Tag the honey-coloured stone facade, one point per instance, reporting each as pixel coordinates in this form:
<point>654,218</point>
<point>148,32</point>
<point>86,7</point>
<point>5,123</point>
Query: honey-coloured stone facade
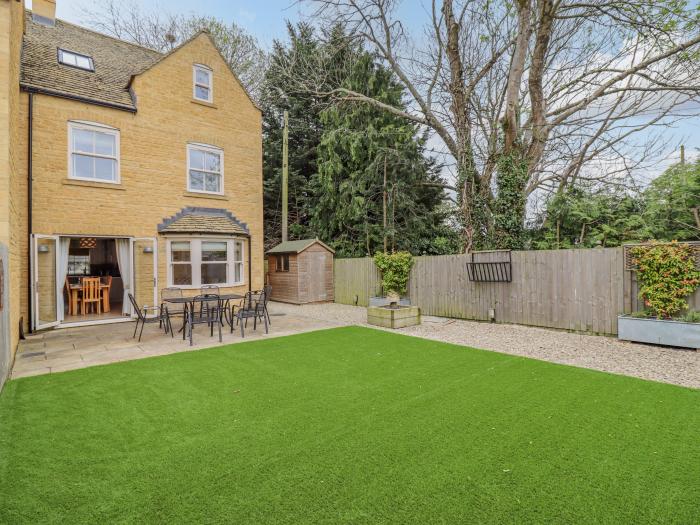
<point>152,168</point>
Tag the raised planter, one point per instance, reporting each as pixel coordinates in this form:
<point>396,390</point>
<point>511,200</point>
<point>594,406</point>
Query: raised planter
<point>393,316</point>
<point>385,301</point>
<point>658,331</point>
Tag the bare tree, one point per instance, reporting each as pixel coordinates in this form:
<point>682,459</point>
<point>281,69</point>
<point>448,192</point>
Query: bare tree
<point>163,31</point>
<point>530,95</point>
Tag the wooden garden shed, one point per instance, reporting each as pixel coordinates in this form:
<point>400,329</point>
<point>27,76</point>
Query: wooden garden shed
<point>301,272</point>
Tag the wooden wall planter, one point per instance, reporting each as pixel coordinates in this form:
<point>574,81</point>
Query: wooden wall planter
<point>659,331</point>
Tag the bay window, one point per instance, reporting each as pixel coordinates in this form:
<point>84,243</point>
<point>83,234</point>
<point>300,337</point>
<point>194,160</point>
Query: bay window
<point>196,262</point>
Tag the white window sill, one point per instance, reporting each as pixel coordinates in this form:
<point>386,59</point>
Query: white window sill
<point>203,195</point>
<point>204,103</point>
<point>197,287</point>
<point>93,184</point>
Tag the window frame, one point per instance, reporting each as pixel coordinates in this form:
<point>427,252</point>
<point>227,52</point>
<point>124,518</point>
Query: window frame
<point>59,56</point>
<point>196,261</point>
<point>98,128</point>
<point>282,257</point>
<point>172,263</point>
<point>195,84</point>
<point>207,148</point>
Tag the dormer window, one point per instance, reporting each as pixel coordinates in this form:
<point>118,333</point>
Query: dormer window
<point>203,88</point>
<point>69,58</point>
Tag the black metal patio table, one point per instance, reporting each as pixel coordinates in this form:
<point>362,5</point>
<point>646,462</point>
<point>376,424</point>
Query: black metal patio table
<point>189,302</point>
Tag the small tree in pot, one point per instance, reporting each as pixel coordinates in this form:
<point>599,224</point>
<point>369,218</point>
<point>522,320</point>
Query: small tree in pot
<point>395,268</point>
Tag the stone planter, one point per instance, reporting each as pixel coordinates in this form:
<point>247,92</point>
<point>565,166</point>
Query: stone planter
<point>658,331</point>
<point>393,317</point>
<point>385,301</point>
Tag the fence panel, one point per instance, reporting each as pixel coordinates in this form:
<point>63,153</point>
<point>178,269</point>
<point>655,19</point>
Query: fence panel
<point>577,289</point>
<point>355,280</point>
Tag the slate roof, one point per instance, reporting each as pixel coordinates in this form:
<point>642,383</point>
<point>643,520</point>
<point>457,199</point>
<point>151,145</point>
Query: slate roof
<point>297,246</point>
<point>203,220</point>
<point>115,62</point>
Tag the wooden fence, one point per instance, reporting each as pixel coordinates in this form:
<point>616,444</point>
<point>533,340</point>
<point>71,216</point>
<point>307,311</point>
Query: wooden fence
<point>574,289</point>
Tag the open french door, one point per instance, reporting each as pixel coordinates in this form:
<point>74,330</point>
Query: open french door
<point>144,271</point>
<point>45,285</point>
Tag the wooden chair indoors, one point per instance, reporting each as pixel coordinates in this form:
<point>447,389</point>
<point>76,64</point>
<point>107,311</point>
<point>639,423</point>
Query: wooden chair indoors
<point>69,300</point>
<point>91,296</point>
<point>105,293</point>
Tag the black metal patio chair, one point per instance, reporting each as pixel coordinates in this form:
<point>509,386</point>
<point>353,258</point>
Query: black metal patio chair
<point>209,289</point>
<point>174,309</point>
<point>253,307</point>
<point>160,317</point>
<point>268,294</point>
<point>210,313</point>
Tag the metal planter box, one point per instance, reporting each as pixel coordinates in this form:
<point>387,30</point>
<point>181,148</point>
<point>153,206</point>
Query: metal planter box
<point>659,331</point>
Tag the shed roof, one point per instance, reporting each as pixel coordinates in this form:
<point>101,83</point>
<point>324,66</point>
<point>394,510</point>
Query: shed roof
<point>203,220</point>
<point>297,246</point>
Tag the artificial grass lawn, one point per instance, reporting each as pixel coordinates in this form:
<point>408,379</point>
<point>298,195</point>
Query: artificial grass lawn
<point>349,425</point>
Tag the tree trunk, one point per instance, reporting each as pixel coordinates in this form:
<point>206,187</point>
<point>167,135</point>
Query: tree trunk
<point>470,198</point>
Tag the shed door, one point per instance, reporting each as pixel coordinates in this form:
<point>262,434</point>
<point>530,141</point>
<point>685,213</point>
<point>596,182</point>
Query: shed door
<point>316,275</point>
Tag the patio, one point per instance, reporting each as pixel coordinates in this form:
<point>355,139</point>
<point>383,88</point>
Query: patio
<point>72,348</point>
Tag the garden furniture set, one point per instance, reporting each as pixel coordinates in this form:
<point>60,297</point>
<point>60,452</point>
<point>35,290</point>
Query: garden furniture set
<point>210,307</point>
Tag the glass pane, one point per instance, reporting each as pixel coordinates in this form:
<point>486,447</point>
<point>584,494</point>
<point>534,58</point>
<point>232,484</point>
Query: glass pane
<point>196,180</point>
<point>238,251</point>
<point>214,251</point>
<point>213,162</point>
<point>213,273</point>
<point>46,281</point>
<point>83,166</point>
<point>180,251</point>
<point>182,274</point>
<point>83,141</point>
<point>201,92</point>
<point>212,182</point>
<point>196,159</point>
<point>105,144</point>
<point>68,58</point>
<point>238,271</point>
<point>105,169</point>
<point>202,76</point>
<point>83,62</point>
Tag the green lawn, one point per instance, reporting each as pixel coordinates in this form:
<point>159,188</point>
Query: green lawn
<point>349,425</point>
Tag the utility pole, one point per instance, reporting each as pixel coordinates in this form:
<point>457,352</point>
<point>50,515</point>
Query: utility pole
<point>285,175</point>
<point>682,154</point>
<point>384,203</point>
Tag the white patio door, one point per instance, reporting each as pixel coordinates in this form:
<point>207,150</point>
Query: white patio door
<point>45,285</point>
<point>144,271</point>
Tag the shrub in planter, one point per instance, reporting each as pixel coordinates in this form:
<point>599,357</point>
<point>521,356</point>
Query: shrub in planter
<point>395,268</point>
<point>667,275</point>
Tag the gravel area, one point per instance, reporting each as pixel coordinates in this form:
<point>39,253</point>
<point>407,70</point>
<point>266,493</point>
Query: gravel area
<point>656,363</point>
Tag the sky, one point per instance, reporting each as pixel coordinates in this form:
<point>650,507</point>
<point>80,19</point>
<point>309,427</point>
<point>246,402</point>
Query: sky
<point>266,20</point>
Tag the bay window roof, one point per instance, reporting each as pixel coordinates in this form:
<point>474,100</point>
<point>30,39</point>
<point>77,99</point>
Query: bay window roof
<point>203,221</point>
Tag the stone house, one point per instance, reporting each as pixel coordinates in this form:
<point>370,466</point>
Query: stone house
<point>116,161</point>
